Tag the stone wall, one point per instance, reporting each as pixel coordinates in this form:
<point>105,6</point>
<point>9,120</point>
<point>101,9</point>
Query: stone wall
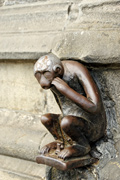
<point>20,90</point>
<point>86,31</point>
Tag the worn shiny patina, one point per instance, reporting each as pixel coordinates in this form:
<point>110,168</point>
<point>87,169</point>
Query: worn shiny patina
<point>83,119</point>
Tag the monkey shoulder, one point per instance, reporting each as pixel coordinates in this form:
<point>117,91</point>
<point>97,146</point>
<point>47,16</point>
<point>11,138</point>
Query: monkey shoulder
<point>74,67</point>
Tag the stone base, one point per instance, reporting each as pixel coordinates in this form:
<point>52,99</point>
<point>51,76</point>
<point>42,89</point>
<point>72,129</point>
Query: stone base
<point>54,161</point>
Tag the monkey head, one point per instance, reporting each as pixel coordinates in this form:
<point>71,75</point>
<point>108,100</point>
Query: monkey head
<point>46,69</point>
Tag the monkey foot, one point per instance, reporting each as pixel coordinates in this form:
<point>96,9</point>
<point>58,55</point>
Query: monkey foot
<point>52,145</point>
<point>73,151</point>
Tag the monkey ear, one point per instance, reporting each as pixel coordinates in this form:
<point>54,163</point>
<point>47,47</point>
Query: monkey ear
<point>57,68</point>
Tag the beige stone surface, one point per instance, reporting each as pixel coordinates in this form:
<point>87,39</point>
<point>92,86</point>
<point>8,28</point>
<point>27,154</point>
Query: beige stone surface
<point>17,169</point>
<point>12,2</point>
<point>111,171</point>
<point>87,30</point>
<point>21,134</point>
<point>20,143</point>
<point>6,175</point>
<point>21,91</point>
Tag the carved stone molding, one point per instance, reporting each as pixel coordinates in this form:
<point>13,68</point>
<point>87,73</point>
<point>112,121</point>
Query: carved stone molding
<point>83,30</point>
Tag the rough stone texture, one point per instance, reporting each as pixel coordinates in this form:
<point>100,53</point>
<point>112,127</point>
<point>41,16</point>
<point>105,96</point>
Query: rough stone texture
<point>92,27</point>
<point>21,134</point>
<point>20,90</point>
<point>78,173</point>
<point>88,31</point>
<point>12,2</point>
<point>18,169</point>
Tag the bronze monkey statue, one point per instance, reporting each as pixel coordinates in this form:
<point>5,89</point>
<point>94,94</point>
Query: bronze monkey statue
<point>83,119</point>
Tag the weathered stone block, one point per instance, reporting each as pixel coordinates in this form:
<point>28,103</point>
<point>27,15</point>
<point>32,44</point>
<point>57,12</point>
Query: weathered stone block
<point>79,30</point>
<point>20,90</point>
<point>18,169</point>
<point>22,134</point>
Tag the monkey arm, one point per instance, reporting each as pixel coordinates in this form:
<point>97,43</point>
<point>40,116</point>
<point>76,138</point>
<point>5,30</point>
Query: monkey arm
<point>80,100</point>
<point>92,102</point>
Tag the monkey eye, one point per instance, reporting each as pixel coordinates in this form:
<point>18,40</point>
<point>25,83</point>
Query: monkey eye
<point>47,75</point>
<point>38,75</point>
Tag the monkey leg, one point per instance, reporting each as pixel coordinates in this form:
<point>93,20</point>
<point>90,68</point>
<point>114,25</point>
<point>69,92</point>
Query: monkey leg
<point>75,127</point>
<point>52,123</point>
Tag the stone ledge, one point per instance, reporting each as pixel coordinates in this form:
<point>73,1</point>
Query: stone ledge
<point>21,120</point>
<point>18,169</point>
<point>20,143</point>
<point>80,30</point>
<point>8,175</point>
<point>22,134</point>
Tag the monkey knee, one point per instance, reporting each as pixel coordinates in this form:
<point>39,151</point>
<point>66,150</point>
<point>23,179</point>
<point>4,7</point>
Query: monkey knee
<point>66,123</point>
<point>46,119</point>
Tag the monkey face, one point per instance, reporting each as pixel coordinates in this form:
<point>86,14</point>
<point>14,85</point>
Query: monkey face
<point>45,78</point>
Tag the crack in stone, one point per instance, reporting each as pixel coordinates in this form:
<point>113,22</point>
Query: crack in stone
<point>41,141</point>
<point>69,8</point>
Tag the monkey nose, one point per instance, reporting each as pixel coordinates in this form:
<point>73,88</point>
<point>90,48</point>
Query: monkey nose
<point>45,86</point>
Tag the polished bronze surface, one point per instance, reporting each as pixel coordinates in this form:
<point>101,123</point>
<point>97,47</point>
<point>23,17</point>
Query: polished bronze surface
<point>83,119</point>
<point>52,160</point>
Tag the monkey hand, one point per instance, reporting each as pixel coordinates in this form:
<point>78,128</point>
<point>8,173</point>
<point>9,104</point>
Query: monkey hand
<point>60,85</point>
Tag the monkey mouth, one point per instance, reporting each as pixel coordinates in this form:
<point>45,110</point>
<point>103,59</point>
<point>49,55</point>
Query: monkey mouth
<point>46,88</point>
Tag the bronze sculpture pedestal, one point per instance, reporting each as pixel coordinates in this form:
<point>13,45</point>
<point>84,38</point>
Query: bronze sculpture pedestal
<point>51,159</point>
